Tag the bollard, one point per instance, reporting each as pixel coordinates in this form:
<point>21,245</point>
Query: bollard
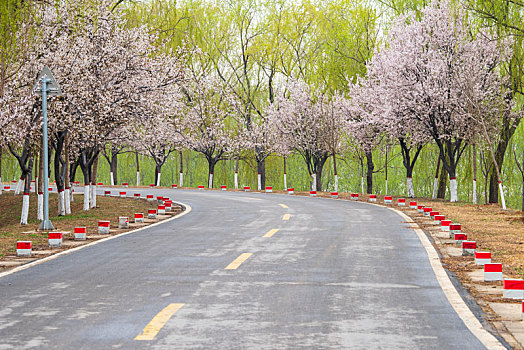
<point>413,205</point>
<point>100,184</point>
<point>444,225</point>
<point>175,186</point>
<point>23,248</point>
<point>493,272</point>
<point>103,227</point>
<point>433,213</point>
<point>136,195</point>
<point>151,213</point>
<point>107,193</point>
<point>150,198</point>
<point>290,191</point>
<point>125,184</point>
<point>80,233</point>
<point>426,211</point>
<point>420,208</point>
<point>372,197</point>
<point>160,199</point>
<point>482,258</point>
<point>312,193</point>
<point>139,217</point>
<point>269,189</point>
<point>460,237</point>
<point>55,239</point>
<point>354,196</point>
<point>247,188</point>
<point>151,185</point>
<point>513,288</point>
<point>161,210</point>
<point>468,248</point>
<point>123,194</point>
<point>169,205</point>
<point>401,202</point>
<point>200,187</point>
<point>223,188</point>
<point>438,219</point>
<point>334,194</point>
<point>388,199</point>
<point>123,222</point>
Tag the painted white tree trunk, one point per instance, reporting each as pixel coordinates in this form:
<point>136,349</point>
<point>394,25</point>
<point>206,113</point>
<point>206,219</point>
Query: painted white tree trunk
<point>138,178</point>
<point>72,195</point>
<point>474,191</point>
<point>386,188</point>
<point>112,179</point>
<point>40,208</point>
<point>158,179</point>
<point>411,190</point>
<point>93,196</point>
<point>25,209</point>
<point>453,190</point>
<point>259,178</point>
<point>314,186</point>
<point>87,194</point>
<point>236,180</point>
<point>502,199</point>
<point>435,188</point>
<point>67,195</point>
<point>362,184</point>
<point>336,183</point>
<point>210,183</point>
<point>181,182</point>
<point>61,203</point>
<point>285,181</point>
<point>19,186</point>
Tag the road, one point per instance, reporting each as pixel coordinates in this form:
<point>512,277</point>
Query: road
<point>240,271</point>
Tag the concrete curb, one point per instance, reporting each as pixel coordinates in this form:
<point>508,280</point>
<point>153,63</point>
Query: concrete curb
<point>69,251</point>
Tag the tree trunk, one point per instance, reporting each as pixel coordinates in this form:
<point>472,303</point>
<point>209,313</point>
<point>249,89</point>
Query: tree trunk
<point>93,182</point>
<point>335,171</point>
<point>386,171</point>
<point>181,184</point>
<point>114,166</point>
<point>67,183</point>
<point>137,169</point>
<point>27,186</point>
<point>474,174</point>
<point>285,175</point>
<point>261,169</point>
<point>442,183</point>
<point>369,175</point>
<point>236,172</point>
<point>211,170</point>
<point>158,172</point>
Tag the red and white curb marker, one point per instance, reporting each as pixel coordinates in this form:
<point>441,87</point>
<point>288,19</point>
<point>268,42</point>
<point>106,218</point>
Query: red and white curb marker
<point>123,194</point>
<point>103,227</point>
<point>151,213</point>
<point>223,188</point>
<point>123,222</point>
<point>455,228</point>
<point>493,272</point>
<point>401,202</point>
<point>420,208</point>
<point>139,217</point>
<point>77,183</point>
<point>433,213</point>
<point>388,199</point>
<point>125,184</point>
<point>460,237</point>
<point>169,205</point>
<point>247,189</point>
<point>23,248</point>
<point>269,189</point>
<point>513,288</point>
<point>80,233</point>
<point>413,205</point>
<point>161,210</point>
<point>426,211</point>
<point>334,194</point>
<point>469,248</point>
<point>107,193</point>
<point>482,258</point>
<point>200,187</point>
<point>290,191</point>
<point>160,199</point>
<point>312,193</point>
<point>354,196</point>
<point>100,184</point>
<point>372,197</point>
<point>150,198</point>
<point>444,225</point>
<point>55,239</point>
<point>136,195</point>
<point>7,188</point>
<point>439,218</point>
<point>151,185</point>
<point>174,186</point>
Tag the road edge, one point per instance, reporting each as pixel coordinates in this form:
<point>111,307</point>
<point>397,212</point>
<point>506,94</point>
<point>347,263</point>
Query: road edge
<point>72,250</point>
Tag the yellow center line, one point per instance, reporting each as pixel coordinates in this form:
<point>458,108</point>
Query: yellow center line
<point>286,217</point>
<point>238,261</point>
<point>271,233</point>
<point>151,330</point>
<point>255,199</point>
<point>284,206</point>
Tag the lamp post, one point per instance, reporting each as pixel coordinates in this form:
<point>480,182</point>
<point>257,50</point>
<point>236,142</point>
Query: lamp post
<point>46,85</point>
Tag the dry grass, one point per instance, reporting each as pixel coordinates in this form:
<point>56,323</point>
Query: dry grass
<point>109,208</point>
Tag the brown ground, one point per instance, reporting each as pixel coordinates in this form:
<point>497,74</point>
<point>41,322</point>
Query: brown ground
<point>108,208</point>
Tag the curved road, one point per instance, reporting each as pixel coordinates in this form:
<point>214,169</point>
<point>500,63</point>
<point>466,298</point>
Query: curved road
<point>336,275</point>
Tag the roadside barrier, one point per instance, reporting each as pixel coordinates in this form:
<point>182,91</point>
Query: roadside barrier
<point>55,239</point>
<point>103,227</point>
<point>334,194</point>
<point>269,189</point>
<point>80,233</point>
<point>223,188</point>
<point>444,225</point>
<point>151,213</point>
<point>247,189</point>
<point>161,210</point>
<point>312,193</point>
<point>123,222</point>
<point>125,184</point>
<point>438,219</point>
<point>23,248</point>
<point>372,197</point>
<point>290,191</point>
<point>469,248</point>
<point>388,199</point>
<point>175,186</point>
<point>513,288</point>
<point>123,194</point>
<point>433,213</point>
<point>493,272</point>
<point>107,193</point>
<point>354,196</point>
<point>482,258</point>
<point>460,237</point>
<point>200,187</point>
<point>139,217</point>
<point>401,202</point>
<point>137,195</point>
<point>150,198</point>
<point>426,211</point>
<point>413,205</point>
<point>420,208</point>
<point>169,205</point>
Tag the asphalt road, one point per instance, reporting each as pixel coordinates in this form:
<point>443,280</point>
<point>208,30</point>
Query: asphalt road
<point>336,275</point>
